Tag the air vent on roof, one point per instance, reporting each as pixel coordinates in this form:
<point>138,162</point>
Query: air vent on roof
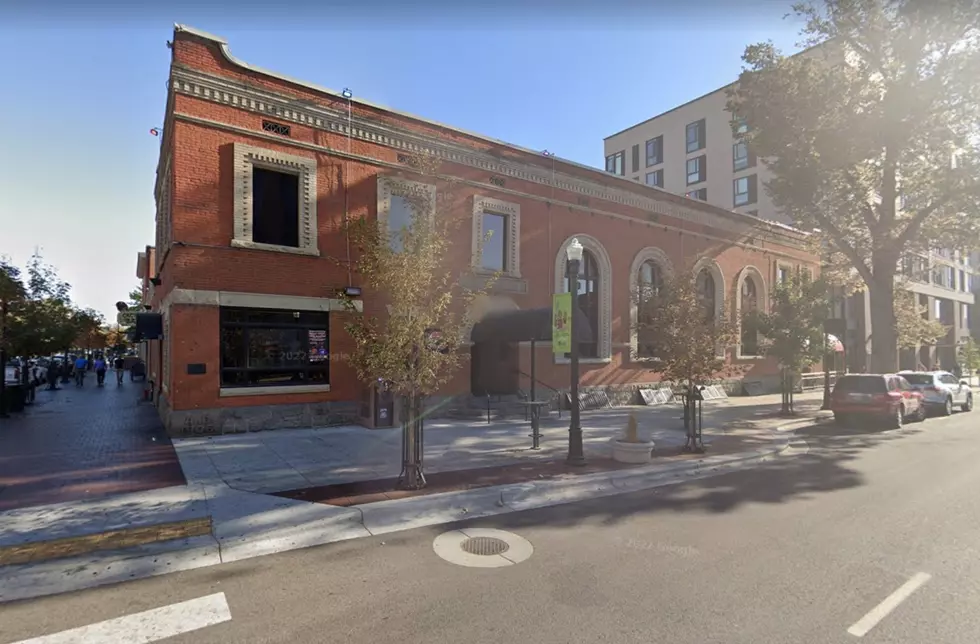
<point>275,128</point>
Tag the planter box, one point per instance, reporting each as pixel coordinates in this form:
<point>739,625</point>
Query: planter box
<point>623,452</point>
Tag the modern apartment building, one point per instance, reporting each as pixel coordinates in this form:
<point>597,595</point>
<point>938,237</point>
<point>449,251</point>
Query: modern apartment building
<point>691,150</point>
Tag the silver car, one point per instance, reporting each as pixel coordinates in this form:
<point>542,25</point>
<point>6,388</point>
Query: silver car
<point>941,390</point>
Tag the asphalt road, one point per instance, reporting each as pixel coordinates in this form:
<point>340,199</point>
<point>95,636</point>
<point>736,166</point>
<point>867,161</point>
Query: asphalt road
<point>800,550</point>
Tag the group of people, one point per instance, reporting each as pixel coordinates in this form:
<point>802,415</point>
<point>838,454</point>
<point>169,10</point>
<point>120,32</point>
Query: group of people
<point>100,366</point>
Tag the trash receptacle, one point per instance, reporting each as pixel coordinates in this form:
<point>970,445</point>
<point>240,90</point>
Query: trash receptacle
<point>384,407</point>
<point>14,398</point>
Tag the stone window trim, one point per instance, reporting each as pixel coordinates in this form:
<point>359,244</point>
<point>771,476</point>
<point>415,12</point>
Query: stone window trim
<point>706,263</point>
<point>513,213</point>
<point>391,186</point>
<point>780,265</point>
<point>247,157</point>
<point>659,257</point>
<point>762,291</point>
<point>604,264</point>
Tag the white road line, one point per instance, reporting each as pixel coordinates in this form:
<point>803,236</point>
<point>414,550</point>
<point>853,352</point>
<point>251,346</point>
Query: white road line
<point>148,626</point>
<point>879,612</point>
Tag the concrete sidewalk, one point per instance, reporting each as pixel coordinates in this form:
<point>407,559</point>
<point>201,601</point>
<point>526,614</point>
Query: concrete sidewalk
<point>267,462</point>
<point>227,475</point>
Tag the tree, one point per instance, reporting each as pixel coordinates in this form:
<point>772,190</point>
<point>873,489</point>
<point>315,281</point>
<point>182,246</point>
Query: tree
<point>912,324</point>
<point>115,337</point>
<point>688,338</point>
<point>969,355</point>
<point>12,295</point>
<point>136,298</point>
<point>793,328</point>
<point>412,342</point>
<point>872,137</point>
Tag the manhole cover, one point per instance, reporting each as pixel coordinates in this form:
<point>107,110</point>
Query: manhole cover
<point>482,547</point>
<point>485,546</point>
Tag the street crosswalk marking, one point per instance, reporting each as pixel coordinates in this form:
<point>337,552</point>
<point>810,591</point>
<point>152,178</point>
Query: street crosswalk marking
<point>148,626</point>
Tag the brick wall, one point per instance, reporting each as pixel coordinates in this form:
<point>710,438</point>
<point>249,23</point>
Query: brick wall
<point>202,226</point>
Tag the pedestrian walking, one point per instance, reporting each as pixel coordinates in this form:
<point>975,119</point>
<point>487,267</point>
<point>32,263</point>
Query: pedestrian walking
<point>119,365</point>
<point>81,364</point>
<point>100,368</point>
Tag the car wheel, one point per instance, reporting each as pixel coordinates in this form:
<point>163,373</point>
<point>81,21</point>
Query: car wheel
<point>920,415</point>
<point>899,418</point>
<point>968,405</point>
<point>948,407</point>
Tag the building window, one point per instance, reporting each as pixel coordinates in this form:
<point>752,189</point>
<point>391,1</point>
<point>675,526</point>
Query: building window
<point>655,178</point>
<point>705,284</point>
<point>937,309</point>
<point>655,151</point>
<point>783,274</point>
<point>741,127</point>
<point>588,300</point>
<point>695,136</point>
<point>749,341</point>
<point>965,315</point>
<point>745,190</point>
<point>616,163</point>
<point>496,236</point>
<point>697,170</point>
<point>962,281</point>
<point>275,201</point>
<point>266,347</point>
<point>494,255</point>
<point>700,195</point>
<point>636,158</point>
<point>649,282</point>
<point>399,203</point>
<point>741,159</point>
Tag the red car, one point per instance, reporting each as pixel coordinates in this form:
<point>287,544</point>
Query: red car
<point>887,397</point>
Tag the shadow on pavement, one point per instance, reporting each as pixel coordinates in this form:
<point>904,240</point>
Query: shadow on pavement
<point>822,468</point>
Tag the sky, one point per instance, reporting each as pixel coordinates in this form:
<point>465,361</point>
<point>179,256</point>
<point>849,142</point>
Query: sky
<point>83,85</point>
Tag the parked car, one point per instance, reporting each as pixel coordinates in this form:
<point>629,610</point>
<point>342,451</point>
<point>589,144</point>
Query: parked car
<point>941,390</point>
<point>884,397</point>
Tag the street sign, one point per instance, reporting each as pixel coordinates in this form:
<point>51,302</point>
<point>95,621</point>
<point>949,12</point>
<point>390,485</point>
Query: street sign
<point>126,318</point>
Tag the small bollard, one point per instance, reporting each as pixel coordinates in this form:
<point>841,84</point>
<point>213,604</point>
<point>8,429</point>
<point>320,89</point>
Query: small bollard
<point>535,427</point>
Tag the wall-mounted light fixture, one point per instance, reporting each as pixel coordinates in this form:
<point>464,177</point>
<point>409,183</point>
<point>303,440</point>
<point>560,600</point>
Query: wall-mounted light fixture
<point>352,291</point>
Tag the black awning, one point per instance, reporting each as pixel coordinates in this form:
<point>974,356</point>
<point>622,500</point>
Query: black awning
<point>525,325</point>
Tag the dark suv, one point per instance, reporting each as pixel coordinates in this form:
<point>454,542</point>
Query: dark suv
<point>886,397</point>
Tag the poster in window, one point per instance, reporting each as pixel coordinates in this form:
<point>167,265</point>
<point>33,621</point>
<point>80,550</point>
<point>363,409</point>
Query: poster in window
<point>319,352</point>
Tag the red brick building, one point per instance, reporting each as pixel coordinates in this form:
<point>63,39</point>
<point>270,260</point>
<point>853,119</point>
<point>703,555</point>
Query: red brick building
<point>226,282</point>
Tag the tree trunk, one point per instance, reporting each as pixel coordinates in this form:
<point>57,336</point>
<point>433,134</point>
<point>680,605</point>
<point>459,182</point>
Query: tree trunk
<point>884,336</point>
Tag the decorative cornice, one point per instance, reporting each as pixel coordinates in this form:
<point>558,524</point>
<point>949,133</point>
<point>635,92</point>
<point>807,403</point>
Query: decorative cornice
<point>653,222</point>
<point>242,96</point>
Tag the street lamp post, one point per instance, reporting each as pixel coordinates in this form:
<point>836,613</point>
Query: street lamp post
<point>576,452</point>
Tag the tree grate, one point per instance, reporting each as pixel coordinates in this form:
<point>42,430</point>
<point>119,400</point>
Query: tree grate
<point>485,546</point>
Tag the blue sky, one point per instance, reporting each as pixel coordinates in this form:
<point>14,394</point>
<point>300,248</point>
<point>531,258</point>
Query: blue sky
<point>81,93</point>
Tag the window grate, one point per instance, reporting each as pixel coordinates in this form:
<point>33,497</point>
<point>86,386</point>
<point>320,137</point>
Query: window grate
<point>276,128</point>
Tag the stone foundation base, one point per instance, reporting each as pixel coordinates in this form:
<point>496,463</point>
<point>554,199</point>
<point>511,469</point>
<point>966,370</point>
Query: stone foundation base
<point>186,423</point>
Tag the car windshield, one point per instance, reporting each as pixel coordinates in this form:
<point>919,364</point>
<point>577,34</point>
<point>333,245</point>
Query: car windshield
<point>918,378</point>
<point>861,384</point>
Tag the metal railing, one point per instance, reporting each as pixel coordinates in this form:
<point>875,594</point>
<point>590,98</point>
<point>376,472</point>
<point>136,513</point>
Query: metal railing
<point>814,381</point>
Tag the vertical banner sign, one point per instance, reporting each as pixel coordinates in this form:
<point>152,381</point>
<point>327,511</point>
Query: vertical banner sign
<point>561,320</point>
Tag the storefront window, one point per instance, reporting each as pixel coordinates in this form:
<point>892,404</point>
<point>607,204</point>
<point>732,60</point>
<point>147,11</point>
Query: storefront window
<point>263,347</point>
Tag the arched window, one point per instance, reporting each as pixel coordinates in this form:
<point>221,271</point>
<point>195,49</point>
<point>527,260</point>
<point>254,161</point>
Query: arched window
<point>706,293</point>
<point>649,282</point>
<point>588,301</point>
<point>749,302</point>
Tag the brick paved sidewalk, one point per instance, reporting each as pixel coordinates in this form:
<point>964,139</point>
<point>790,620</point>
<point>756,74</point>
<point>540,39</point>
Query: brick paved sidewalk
<point>84,443</point>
